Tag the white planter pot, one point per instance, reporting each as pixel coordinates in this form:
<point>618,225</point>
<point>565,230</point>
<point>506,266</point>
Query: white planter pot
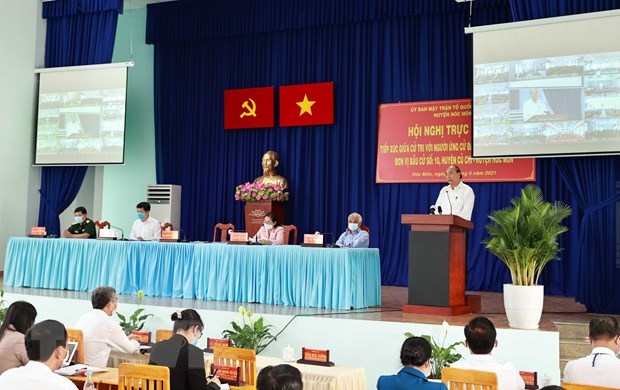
<point>523,305</point>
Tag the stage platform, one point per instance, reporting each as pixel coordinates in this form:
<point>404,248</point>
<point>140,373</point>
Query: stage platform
<point>368,338</point>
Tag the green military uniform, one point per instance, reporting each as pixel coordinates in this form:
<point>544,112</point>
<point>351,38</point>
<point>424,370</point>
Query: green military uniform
<point>87,226</point>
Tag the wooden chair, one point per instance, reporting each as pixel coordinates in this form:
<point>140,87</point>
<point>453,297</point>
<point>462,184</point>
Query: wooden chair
<point>102,224</point>
<point>167,225</point>
<point>223,227</point>
<point>459,379</point>
<point>143,377</point>
<point>238,357</point>
<point>287,232</point>
<point>162,334</point>
<point>77,336</point>
<point>366,229</point>
<point>578,386</point>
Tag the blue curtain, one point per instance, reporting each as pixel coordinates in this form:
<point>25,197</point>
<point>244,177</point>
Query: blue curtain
<point>375,52</point>
<point>79,32</point>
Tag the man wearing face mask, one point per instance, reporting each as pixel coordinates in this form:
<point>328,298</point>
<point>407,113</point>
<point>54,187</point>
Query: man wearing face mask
<point>601,367</point>
<point>46,347</point>
<point>354,237</point>
<point>82,227</point>
<point>145,228</point>
<point>101,332</point>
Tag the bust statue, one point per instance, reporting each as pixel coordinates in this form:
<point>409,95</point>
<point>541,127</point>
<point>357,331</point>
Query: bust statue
<point>269,163</point>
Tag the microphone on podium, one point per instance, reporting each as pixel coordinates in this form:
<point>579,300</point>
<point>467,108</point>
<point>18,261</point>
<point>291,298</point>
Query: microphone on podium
<point>122,232</point>
<point>439,209</point>
<point>448,195</point>
<point>432,210</point>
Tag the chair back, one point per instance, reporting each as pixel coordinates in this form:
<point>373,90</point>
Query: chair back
<point>162,334</point>
<point>77,336</point>
<point>459,379</point>
<point>223,227</point>
<point>102,224</point>
<point>578,386</point>
<point>245,359</point>
<point>167,225</point>
<point>366,229</point>
<point>143,377</point>
<point>287,233</point>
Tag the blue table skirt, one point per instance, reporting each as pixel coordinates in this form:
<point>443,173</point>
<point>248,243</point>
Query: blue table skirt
<point>277,275</point>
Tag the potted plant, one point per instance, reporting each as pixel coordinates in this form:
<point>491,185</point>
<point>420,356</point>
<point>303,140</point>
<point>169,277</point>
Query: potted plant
<point>525,237</point>
<point>249,333</point>
<point>441,356</point>
<point>3,307</point>
<point>136,320</point>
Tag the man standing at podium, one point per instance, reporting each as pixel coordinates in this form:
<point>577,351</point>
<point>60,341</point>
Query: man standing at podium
<point>457,198</point>
<point>534,106</point>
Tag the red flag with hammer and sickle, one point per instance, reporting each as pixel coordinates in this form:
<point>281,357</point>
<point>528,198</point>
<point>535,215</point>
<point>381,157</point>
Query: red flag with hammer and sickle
<point>248,108</point>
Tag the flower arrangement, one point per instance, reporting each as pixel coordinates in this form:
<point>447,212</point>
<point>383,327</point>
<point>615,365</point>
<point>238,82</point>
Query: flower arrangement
<point>248,333</point>
<point>136,320</point>
<point>441,356</point>
<point>260,191</point>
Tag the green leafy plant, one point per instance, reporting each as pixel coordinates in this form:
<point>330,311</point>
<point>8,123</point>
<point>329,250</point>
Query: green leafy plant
<point>525,235</point>
<point>440,356</point>
<point>136,320</point>
<point>3,306</point>
<point>249,333</point>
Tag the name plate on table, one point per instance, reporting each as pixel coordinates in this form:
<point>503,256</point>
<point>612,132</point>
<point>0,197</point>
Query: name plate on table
<point>143,337</point>
<point>318,357</point>
<point>239,238</point>
<point>169,236</point>
<point>530,379</point>
<point>227,374</point>
<point>107,234</point>
<point>37,231</point>
<point>313,240</point>
<point>211,343</point>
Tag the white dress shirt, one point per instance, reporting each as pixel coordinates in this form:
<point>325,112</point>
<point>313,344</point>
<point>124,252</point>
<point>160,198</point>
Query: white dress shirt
<point>600,368</point>
<point>508,377</point>
<point>532,108</point>
<point>101,335</point>
<point>34,375</point>
<point>149,230</point>
<point>456,201</point>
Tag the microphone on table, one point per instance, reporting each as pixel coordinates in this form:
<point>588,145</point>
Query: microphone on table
<point>122,232</point>
<point>448,195</point>
<point>184,235</point>
<point>439,209</point>
<point>432,210</point>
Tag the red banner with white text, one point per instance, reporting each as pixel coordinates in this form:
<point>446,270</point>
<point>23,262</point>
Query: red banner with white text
<point>418,141</point>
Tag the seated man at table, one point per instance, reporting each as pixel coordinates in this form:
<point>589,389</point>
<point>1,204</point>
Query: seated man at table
<point>101,332</point>
<point>601,367</point>
<point>145,228</point>
<point>46,347</point>
<point>282,376</point>
<point>354,237</point>
<point>82,227</point>
<point>481,338</point>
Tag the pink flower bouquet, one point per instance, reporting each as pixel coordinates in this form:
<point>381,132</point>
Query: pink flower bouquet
<point>252,192</point>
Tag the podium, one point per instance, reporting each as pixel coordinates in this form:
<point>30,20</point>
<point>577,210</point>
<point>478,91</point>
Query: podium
<point>255,214</point>
<point>437,265</point>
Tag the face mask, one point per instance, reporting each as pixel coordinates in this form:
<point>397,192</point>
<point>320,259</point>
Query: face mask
<point>268,226</point>
<point>195,341</point>
<point>78,219</point>
<point>353,226</point>
<point>140,215</point>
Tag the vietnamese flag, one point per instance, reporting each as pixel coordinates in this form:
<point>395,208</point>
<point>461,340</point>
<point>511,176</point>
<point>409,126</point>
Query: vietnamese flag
<point>248,108</point>
<point>307,104</point>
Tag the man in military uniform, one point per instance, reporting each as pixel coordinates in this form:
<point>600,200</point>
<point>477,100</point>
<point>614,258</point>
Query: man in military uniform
<point>82,227</point>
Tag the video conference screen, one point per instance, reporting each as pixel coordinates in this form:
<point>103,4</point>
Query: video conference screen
<point>548,87</point>
<point>81,116</point>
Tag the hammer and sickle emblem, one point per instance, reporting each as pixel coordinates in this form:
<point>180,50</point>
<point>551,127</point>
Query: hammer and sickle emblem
<point>251,111</point>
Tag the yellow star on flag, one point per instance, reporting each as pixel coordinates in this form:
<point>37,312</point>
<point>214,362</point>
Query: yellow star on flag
<point>306,105</point>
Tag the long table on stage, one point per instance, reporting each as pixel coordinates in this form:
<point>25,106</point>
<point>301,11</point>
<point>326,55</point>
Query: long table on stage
<point>278,275</point>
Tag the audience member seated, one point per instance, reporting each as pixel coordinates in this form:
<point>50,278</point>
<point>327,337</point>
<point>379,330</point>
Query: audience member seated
<point>280,377</point>
<point>46,347</point>
<point>82,227</point>
<point>415,356</point>
<point>18,318</point>
<point>271,233</point>
<point>601,367</point>
<point>145,228</point>
<point>354,237</point>
<point>101,332</point>
<point>481,338</point>
<point>182,356</point>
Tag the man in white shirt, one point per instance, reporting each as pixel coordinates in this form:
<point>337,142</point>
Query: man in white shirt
<point>145,228</point>
<point>46,346</point>
<point>354,236</point>
<point>534,106</point>
<point>101,332</point>
<point>457,198</point>
<point>481,338</point>
<point>601,367</point>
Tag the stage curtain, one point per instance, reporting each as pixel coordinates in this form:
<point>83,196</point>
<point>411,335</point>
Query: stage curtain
<point>79,32</point>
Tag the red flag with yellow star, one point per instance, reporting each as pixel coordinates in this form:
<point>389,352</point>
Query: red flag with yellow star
<point>307,104</point>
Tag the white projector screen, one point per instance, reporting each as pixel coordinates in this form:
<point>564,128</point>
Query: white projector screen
<point>547,87</point>
<point>81,115</point>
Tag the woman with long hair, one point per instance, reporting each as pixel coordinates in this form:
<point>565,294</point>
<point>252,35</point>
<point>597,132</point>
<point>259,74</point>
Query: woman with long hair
<point>18,319</point>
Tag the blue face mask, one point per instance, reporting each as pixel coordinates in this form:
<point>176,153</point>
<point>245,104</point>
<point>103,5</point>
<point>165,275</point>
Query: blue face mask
<point>78,219</point>
<point>140,215</point>
<point>195,341</point>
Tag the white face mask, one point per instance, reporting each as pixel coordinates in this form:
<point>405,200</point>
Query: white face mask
<point>353,226</point>
<point>79,219</point>
<point>268,226</point>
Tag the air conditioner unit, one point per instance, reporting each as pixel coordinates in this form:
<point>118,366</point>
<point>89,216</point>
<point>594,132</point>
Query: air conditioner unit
<point>165,200</point>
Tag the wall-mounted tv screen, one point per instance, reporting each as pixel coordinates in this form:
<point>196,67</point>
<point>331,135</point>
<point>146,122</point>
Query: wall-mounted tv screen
<point>548,87</point>
<point>81,116</point>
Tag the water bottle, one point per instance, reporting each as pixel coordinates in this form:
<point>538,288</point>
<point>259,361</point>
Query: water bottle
<point>89,384</point>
